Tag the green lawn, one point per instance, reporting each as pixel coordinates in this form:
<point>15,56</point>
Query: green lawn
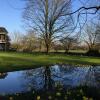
<point>17,61</point>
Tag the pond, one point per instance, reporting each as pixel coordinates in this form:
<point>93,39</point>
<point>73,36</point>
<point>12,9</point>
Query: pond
<point>45,78</point>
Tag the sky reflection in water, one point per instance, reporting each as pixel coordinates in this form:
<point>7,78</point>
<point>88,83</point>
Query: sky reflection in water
<point>47,77</point>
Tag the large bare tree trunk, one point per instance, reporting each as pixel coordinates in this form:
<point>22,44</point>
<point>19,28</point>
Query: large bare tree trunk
<point>49,17</point>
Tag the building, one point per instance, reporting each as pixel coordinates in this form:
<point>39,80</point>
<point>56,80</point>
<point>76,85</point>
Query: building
<point>4,39</point>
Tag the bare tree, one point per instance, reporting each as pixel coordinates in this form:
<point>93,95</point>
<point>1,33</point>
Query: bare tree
<point>68,42</point>
<point>85,11</point>
<point>92,35</point>
<point>56,46</point>
<point>98,33</point>
<point>16,39</point>
<point>50,18</point>
<point>29,42</point>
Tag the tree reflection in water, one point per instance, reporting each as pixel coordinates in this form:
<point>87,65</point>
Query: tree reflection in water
<point>50,78</point>
<point>48,83</point>
<point>45,78</point>
<point>92,77</point>
<point>38,78</point>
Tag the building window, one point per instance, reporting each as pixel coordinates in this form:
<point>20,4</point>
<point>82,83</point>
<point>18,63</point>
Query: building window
<point>2,37</point>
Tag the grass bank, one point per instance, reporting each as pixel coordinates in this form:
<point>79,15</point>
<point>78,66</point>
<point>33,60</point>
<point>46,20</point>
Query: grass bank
<point>18,61</point>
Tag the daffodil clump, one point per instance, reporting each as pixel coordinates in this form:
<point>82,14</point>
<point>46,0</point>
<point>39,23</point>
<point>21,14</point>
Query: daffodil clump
<point>58,93</point>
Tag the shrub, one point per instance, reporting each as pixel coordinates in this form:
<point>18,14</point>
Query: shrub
<point>93,53</point>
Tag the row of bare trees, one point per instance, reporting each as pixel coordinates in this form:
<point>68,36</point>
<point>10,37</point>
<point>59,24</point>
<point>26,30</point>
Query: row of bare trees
<point>24,42</point>
<point>30,42</point>
<point>90,40</point>
<point>91,36</point>
<point>57,20</point>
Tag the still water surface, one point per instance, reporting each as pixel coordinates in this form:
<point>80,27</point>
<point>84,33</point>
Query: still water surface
<point>47,77</point>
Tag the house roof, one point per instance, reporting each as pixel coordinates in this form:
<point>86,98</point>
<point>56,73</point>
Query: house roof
<point>2,29</point>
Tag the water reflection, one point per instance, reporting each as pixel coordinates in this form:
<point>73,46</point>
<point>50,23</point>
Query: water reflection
<point>45,78</point>
<point>92,77</point>
<point>48,83</point>
<point>3,75</point>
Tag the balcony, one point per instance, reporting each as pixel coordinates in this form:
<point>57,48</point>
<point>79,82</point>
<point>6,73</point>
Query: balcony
<point>2,41</point>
